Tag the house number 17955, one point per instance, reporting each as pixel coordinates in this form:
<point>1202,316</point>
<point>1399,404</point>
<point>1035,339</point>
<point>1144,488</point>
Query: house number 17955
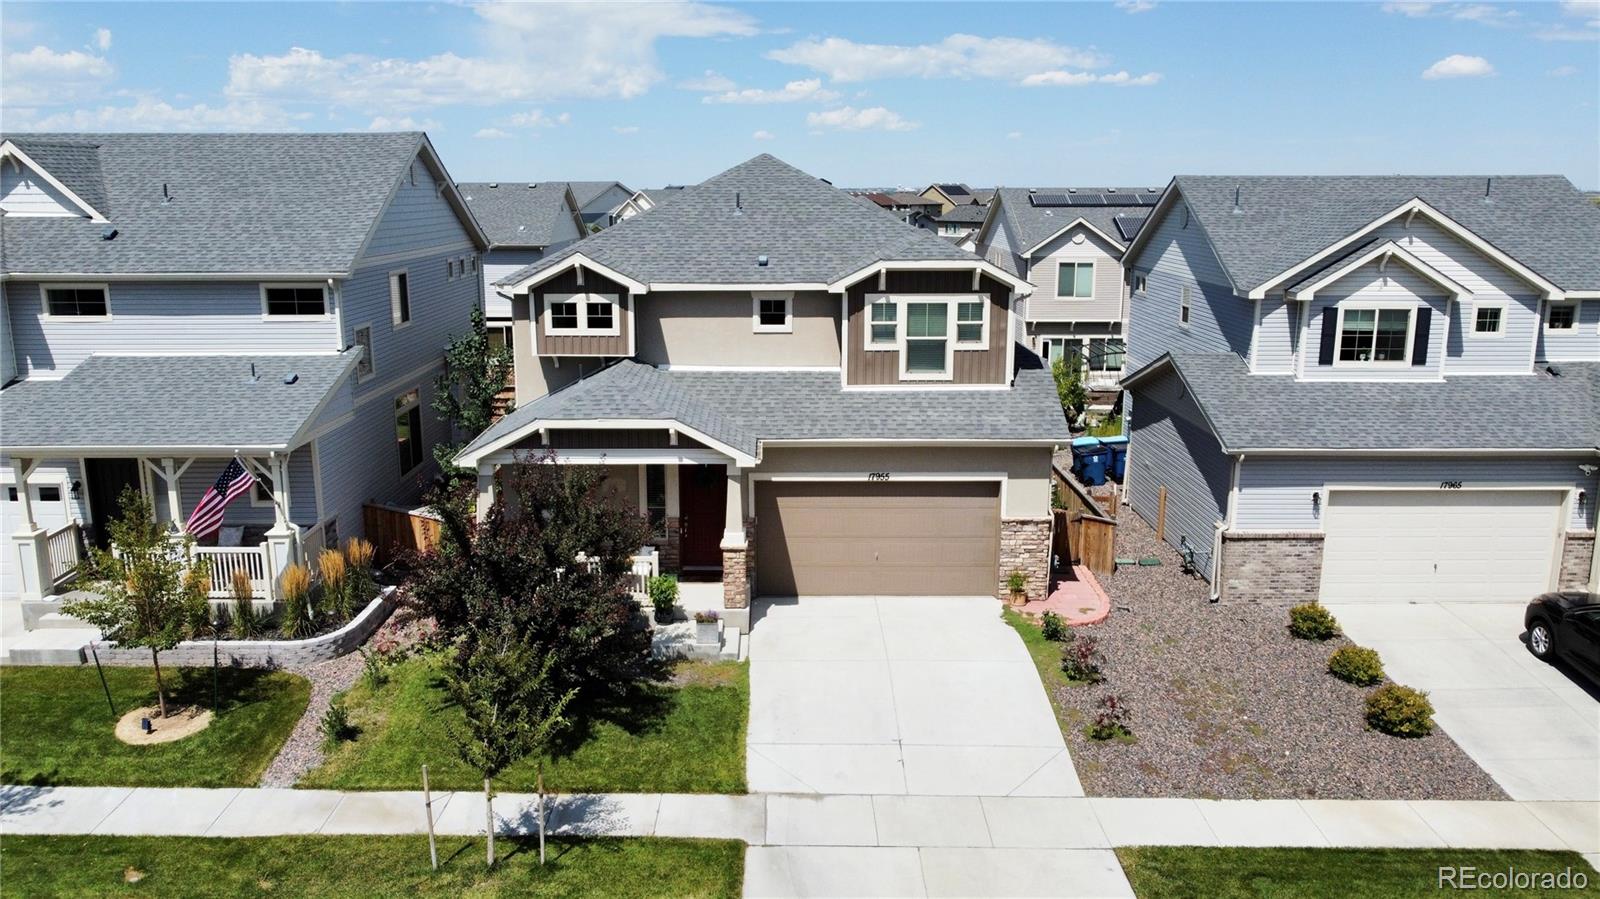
<point>877,476</point>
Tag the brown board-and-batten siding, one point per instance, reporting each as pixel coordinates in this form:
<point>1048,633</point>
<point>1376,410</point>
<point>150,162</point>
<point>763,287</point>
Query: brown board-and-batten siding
<point>618,344</point>
<point>875,367</point>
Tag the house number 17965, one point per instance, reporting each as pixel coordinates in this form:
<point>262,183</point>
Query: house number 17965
<point>877,476</point>
<point>1449,485</point>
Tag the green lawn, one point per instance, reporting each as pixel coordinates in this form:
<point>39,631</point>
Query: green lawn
<point>1047,658</point>
<point>1157,872</point>
<point>320,866</point>
<point>56,728</point>
<point>684,738</point>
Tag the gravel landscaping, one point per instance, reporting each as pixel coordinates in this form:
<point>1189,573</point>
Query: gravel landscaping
<point>1225,704</point>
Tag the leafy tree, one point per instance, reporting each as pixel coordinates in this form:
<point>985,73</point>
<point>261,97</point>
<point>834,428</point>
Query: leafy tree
<point>475,371</point>
<point>1068,372</point>
<point>525,567</point>
<point>142,595</point>
<point>506,688</point>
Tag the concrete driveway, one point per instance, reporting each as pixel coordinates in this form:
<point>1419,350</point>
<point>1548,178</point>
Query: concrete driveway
<point>1531,726</point>
<point>931,696</point>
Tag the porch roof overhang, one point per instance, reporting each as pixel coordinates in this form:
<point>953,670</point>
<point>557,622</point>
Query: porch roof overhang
<point>113,405</point>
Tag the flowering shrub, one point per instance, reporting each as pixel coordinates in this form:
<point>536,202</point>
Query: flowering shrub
<point>1111,719</point>
<point>1080,659</point>
<point>708,616</point>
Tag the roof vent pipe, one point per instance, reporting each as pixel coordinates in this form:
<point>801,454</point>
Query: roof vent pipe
<point>1237,190</point>
<point>165,196</point>
<point>1488,190</point>
<point>253,376</point>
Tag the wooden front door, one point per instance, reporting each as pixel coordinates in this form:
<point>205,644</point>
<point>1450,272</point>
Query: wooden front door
<point>107,479</point>
<point>702,500</point>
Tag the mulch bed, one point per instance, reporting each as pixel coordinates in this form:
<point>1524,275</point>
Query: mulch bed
<point>1225,704</point>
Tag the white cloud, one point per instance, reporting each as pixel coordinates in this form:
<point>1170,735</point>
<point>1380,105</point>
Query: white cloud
<point>401,123</point>
<point>1482,13</point>
<point>763,135</point>
<point>577,50</point>
<point>1458,65</point>
<point>1587,30</point>
<point>535,118</point>
<point>1411,9</point>
<point>1060,78</point>
<point>1013,135</point>
<point>625,129</point>
<point>710,81</point>
<point>957,56</point>
<point>150,114</point>
<point>849,118</point>
<point>1563,72</point>
<point>1132,7</point>
<point>102,39</point>
<point>491,134</point>
<point>809,90</point>
<point>43,77</point>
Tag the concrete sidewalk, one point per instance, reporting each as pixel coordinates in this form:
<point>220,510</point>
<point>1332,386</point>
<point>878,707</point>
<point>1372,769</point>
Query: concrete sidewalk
<point>891,821</point>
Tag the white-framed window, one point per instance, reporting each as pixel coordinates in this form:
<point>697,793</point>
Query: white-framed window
<point>364,365</point>
<point>927,349</point>
<point>1374,335</point>
<point>81,302</point>
<point>294,302</point>
<point>772,313</point>
<point>972,324</point>
<point>408,429</point>
<point>400,298</point>
<point>1141,283</point>
<point>883,326</point>
<point>1107,354</point>
<point>1075,280</point>
<point>260,493</point>
<point>592,314</point>
<point>1561,318</point>
<point>1488,319</point>
<point>1184,309</point>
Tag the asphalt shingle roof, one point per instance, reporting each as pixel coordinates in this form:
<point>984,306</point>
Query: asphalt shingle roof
<point>517,213</point>
<point>171,401</point>
<point>742,408</point>
<point>586,192</point>
<point>1260,412</point>
<point>1030,224</point>
<point>713,233</point>
<point>1541,220</point>
<point>267,203</point>
<point>971,214</point>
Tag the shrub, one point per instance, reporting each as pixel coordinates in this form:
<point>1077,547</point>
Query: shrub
<point>294,585</point>
<point>1312,621</point>
<point>1055,630</point>
<point>1080,659</point>
<point>361,585</point>
<point>1400,711</point>
<point>1357,665</point>
<point>374,668</point>
<point>1016,582</point>
<point>707,616</point>
<point>336,726</point>
<point>335,583</point>
<point>246,623</point>
<point>1111,719</point>
<point>663,590</point>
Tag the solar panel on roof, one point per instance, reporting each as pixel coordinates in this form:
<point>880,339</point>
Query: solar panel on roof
<point>1049,200</point>
<point>1088,200</point>
<point>1129,225</point>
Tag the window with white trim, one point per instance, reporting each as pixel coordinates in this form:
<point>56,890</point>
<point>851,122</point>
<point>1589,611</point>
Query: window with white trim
<point>883,332</point>
<point>294,301</point>
<point>77,301</point>
<point>400,298</point>
<point>1375,336</point>
<point>1184,311</point>
<point>1488,319</point>
<point>408,429</point>
<point>970,321</point>
<point>593,314</point>
<point>1561,318</point>
<point>1075,280</point>
<point>927,340</point>
<point>772,313</point>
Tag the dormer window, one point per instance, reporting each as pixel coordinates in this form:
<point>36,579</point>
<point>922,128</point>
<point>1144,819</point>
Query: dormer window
<point>581,314</point>
<point>1375,336</point>
<point>76,301</point>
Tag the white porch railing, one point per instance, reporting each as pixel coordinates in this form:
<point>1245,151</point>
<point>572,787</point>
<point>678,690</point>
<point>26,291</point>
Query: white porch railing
<point>1103,380</point>
<point>225,560</point>
<point>66,551</point>
<point>646,565</point>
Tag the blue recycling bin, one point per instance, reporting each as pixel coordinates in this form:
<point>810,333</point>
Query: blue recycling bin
<point>1089,458</point>
<point>1118,464</point>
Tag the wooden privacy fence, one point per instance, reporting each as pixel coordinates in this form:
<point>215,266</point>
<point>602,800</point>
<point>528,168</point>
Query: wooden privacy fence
<point>1082,532</point>
<point>395,532</point>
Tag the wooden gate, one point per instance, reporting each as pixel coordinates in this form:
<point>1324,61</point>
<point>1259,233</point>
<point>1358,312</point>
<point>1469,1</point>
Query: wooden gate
<point>398,533</point>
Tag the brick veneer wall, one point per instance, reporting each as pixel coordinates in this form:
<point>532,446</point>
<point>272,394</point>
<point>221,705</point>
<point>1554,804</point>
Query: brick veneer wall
<point>739,570</point>
<point>1025,547</point>
<point>1577,555</point>
<point>265,653</point>
<point>1280,568</point>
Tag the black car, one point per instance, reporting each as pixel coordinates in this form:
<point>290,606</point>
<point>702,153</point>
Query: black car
<point>1566,625</point>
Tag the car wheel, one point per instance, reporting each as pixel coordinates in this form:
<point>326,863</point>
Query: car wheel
<point>1541,640</point>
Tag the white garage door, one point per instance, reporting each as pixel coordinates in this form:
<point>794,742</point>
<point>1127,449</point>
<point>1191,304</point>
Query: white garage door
<point>1427,546</point>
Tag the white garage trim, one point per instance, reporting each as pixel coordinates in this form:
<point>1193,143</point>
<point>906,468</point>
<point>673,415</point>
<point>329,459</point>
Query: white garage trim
<point>1569,494</point>
<point>996,476</point>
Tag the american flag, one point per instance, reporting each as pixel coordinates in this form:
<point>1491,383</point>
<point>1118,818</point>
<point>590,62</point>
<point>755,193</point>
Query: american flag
<point>207,516</point>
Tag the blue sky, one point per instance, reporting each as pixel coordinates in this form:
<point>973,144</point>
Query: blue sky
<point>862,94</point>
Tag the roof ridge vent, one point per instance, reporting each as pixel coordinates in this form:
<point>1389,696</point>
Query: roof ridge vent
<point>1238,190</point>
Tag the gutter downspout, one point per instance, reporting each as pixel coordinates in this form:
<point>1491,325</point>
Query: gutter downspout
<point>1223,526</point>
<point>1594,551</point>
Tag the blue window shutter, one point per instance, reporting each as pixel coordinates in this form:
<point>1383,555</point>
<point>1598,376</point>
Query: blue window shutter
<point>1419,339</point>
<point>1330,335</point>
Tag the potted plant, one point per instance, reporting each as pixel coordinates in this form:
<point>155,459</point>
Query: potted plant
<point>1017,583</point>
<point>663,590</point>
<point>706,629</point>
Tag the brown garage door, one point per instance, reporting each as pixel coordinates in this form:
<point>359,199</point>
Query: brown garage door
<point>856,537</point>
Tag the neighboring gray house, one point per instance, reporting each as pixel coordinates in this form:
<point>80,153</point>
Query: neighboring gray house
<point>601,202</point>
<point>959,223</point>
<point>172,302</point>
<point>523,221</point>
<point>1068,242</point>
<point>1369,389</point>
<point>804,395</point>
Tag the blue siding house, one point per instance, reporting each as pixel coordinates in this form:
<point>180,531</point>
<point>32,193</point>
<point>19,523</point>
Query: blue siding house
<point>172,302</point>
<point>1369,389</point>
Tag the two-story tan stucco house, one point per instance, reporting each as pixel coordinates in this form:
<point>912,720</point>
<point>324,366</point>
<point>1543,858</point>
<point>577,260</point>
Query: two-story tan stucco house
<point>804,393</point>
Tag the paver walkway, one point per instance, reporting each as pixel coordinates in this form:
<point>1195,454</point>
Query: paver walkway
<point>1525,722</point>
<point>919,695</point>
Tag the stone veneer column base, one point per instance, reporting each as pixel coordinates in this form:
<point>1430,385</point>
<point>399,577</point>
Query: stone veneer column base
<point>739,571</point>
<point>671,545</point>
<point>1271,567</point>
<point>1024,547</point>
<point>1577,557</point>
